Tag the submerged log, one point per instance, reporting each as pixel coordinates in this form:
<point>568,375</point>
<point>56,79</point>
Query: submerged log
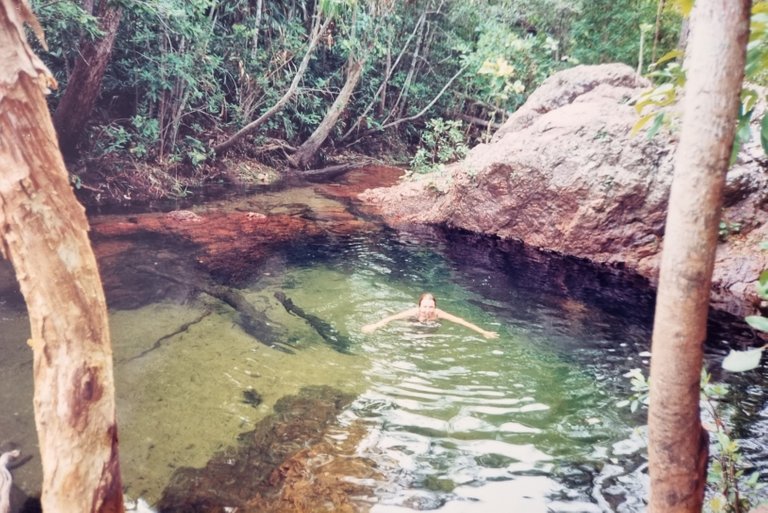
<point>250,320</point>
<point>181,329</point>
<point>330,334</point>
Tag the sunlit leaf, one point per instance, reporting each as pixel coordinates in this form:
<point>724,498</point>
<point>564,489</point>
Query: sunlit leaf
<point>763,245</point>
<point>740,361</point>
<point>758,322</point>
<point>749,98</point>
<point>764,133</point>
<point>762,284</point>
<point>743,134</point>
<point>717,503</point>
<point>684,6</point>
<point>640,123</point>
<point>655,126</point>
<point>759,7</point>
<point>674,54</point>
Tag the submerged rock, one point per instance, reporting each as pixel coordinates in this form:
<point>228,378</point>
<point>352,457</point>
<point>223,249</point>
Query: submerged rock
<point>564,174</point>
<point>286,464</point>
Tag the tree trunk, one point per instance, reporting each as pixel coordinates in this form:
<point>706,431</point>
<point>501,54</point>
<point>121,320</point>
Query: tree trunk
<point>84,84</point>
<point>715,66</point>
<point>383,87</point>
<point>306,156</point>
<point>43,231</point>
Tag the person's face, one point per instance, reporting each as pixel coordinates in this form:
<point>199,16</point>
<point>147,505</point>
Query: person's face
<point>427,308</point>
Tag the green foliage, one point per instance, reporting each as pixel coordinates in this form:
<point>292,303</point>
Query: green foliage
<point>670,79</point>
<point>65,23</point>
<point>730,489</point>
<point>184,74</point>
<point>137,138</point>
<point>727,228</point>
<point>652,104</point>
<point>640,389</point>
<point>441,142</point>
<point>610,31</point>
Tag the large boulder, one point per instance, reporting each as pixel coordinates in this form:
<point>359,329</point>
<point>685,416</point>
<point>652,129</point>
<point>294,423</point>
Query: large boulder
<point>565,174</point>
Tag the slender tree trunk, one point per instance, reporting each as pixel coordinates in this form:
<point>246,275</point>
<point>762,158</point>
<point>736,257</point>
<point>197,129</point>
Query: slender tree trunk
<point>84,84</point>
<point>43,232</point>
<point>399,105</point>
<point>382,88</point>
<point>677,443</point>
<point>685,30</point>
<point>306,155</point>
<point>657,29</point>
<point>257,27</point>
<point>413,117</point>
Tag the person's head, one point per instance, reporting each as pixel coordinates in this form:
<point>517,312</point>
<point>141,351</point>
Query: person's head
<point>427,305</point>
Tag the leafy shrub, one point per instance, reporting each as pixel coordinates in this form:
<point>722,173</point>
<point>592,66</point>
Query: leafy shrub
<point>441,142</point>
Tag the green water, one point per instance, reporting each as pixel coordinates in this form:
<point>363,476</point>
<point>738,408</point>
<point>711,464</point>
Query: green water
<point>454,421</point>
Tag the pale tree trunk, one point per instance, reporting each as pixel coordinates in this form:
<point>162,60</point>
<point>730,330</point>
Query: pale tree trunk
<point>43,232</point>
<point>306,155</point>
<point>83,87</point>
<point>383,87</point>
<point>677,448</point>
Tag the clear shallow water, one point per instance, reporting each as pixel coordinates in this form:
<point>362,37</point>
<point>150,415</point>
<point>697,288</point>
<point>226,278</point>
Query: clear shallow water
<point>461,423</point>
<point>455,422</point>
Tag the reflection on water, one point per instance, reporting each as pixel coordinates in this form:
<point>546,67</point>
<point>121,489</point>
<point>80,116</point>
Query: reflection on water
<point>453,421</point>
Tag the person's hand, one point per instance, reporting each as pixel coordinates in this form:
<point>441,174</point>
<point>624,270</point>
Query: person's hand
<point>490,334</point>
<point>369,328</point>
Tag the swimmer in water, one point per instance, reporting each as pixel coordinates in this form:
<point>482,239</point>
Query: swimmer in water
<point>426,310</point>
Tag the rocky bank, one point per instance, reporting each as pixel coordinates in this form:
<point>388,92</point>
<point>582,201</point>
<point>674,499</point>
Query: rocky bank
<point>564,174</point>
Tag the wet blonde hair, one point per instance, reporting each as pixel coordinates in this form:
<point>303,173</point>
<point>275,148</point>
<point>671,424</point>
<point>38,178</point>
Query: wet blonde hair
<point>426,295</point>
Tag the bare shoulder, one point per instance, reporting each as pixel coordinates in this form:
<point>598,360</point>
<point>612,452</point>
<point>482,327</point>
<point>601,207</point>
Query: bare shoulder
<point>442,314</point>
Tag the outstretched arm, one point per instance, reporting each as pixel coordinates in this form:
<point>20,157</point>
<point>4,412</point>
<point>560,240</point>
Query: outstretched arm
<point>441,314</point>
<point>370,328</point>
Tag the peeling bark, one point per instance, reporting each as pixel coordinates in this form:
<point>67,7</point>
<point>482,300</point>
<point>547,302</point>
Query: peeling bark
<point>44,234</point>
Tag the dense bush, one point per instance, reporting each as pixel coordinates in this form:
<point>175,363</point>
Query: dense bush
<point>184,74</point>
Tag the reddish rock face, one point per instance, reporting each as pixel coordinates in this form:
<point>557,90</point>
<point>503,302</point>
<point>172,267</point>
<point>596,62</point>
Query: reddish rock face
<point>564,174</point>
<point>224,240</point>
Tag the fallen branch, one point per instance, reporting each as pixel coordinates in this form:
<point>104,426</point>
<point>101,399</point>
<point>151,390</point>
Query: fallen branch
<point>479,121</point>
<point>325,173</point>
<point>317,30</point>
<point>184,327</point>
<point>330,334</point>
